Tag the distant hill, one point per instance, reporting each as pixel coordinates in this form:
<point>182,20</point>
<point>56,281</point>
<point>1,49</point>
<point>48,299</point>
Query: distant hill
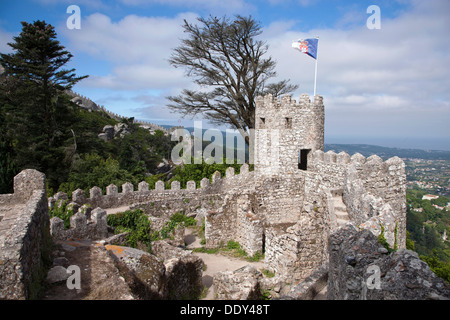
<point>368,150</point>
<point>386,153</point>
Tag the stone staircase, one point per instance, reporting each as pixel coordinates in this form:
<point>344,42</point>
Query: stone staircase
<point>340,209</point>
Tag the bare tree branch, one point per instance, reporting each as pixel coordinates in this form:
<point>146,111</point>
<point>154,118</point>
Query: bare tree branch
<point>225,56</point>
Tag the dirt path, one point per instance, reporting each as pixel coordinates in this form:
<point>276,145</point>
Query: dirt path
<point>215,262</point>
<point>100,279</point>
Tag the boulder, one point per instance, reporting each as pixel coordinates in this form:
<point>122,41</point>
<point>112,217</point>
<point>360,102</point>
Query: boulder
<point>143,272</point>
<point>57,274</point>
<point>241,284</point>
<point>360,268</point>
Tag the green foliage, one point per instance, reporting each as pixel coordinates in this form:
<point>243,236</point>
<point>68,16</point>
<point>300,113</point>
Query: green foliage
<point>36,111</point>
<point>62,211</point>
<point>409,242</point>
<point>268,273</point>
<point>196,172</point>
<point>136,223</point>
<point>382,240</point>
<point>426,227</point>
<point>8,167</point>
<point>231,245</point>
<point>258,256</point>
<point>177,220</point>
<point>180,218</point>
<point>92,170</point>
<point>440,268</point>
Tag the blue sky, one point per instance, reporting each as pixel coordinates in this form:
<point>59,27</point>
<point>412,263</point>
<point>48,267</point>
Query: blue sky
<point>388,87</point>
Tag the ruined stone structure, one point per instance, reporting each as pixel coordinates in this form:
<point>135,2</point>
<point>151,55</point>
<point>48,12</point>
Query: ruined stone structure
<point>24,236</point>
<point>287,207</point>
<point>294,199</point>
<point>361,269</point>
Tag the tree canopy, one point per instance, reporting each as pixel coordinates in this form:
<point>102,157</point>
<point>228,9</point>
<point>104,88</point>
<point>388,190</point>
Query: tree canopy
<point>226,59</point>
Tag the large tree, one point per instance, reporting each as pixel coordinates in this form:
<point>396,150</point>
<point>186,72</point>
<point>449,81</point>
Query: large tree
<point>226,59</point>
<point>33,103</point>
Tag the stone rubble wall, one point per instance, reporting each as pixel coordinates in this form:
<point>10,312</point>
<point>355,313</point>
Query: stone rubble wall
<point>240,284</point>
<point>25,246</point>
<point>83,225</point>
<point>169,273</point>
<point>373,190</point>
<point>130,196</point>
<point>354,257</point>
<point>375,194</point>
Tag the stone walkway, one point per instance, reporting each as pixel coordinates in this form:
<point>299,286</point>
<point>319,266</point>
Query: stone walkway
<point>215,262</point>
<point>8,216</point>
<point>340,210</point>
<point>100,279</point>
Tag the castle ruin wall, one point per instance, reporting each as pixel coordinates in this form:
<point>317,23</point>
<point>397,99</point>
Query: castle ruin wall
<point>24,237</point>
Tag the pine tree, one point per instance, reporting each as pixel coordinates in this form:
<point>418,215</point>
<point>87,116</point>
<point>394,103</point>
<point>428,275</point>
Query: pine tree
<point>36,110</point>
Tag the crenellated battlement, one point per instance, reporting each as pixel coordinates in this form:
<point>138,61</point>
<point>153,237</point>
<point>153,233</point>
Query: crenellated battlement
<point>287,102</point>
<point>130,195</point>
<point>286,208</point>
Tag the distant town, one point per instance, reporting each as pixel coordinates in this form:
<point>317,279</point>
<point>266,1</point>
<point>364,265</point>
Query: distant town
<point>430,175</point>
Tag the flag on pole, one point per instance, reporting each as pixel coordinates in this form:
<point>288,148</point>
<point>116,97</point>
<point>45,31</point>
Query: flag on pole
<point>308,46</point>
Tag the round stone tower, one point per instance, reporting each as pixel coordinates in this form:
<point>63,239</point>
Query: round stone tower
<point>287,133</point>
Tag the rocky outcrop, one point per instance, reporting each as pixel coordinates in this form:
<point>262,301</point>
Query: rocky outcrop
<point>360,268</point>
<point>110,132</point>
<point>241,284</point>
<point>170,273</point>
<point>143,272</point>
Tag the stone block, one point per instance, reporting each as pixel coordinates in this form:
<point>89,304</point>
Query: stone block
<point>112,190</point>
<point>204,183</point>
<point>191,186</point>
<point>79,196</point>
<point>127,187</point>
<point>159,186</point>
<point>26,182</point>
<point>95,193</point>
<point>175,185</point>
<point>216,177</point>
<point>229,172</point>
<point>143,186</point>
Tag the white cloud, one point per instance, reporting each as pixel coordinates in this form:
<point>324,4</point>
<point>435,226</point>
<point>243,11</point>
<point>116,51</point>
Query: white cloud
<point>219,6</point>
<point>137,47</point>
<point>399,72</point>
<point>5,38</point>
<point>389,79</point>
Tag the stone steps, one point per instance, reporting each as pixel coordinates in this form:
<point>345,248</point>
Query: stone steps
<point>340,210</point>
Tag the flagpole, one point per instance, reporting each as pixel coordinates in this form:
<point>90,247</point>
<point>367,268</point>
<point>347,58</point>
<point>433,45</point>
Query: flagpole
<point>315,72</point>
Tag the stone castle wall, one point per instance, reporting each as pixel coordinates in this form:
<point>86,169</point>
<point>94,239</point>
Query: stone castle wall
<point>144,196</point>
<point>360,268</point>
<point>281,209</point>
<point>24,237</point>
<point>373,190</point>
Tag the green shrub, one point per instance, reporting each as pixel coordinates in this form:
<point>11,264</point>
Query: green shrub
<point>136,223</point>
<point>61,211</point>
<point>233,245</point>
